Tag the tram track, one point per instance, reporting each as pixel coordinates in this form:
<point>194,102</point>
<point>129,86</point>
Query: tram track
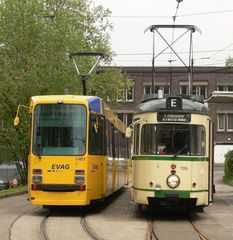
<point>151,233</point>
<point>87,228</point>
<point>20,216</point>
<point>198,232</point>
<point>43,233</point>
<point>154,225</point>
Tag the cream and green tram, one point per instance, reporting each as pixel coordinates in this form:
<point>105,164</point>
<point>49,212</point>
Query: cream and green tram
<point>172,161</point>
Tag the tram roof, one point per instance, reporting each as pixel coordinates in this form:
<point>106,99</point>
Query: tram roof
<point>190,104</point>
<point>94,102</point>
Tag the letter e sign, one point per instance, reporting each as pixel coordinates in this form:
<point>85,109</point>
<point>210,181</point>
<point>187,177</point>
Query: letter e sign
<point>174,103</point>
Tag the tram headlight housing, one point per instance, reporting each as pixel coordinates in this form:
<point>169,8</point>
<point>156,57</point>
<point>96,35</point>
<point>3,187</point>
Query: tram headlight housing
<point>37,179</point>
<point>173,181</point>
<point>79,179</point>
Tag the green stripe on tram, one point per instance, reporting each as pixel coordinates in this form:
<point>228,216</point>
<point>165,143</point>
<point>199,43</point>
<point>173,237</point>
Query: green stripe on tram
<point>165,193</point>
<point>169,158</point>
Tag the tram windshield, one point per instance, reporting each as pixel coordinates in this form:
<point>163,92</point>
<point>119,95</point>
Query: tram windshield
<point>173,139</point>
<point>59,129</point>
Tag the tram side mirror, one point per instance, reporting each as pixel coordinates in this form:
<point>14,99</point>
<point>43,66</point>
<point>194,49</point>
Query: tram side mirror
<point>16,121</point>
<point>128,132</point>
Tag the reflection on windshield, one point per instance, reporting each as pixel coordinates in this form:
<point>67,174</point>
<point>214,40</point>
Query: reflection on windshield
<point>59,129</point>
<point>173,139</point>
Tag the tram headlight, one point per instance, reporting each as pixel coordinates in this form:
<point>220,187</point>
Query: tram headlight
<point>173,181</point>
<point>37,179</point>
<point>79,179</point>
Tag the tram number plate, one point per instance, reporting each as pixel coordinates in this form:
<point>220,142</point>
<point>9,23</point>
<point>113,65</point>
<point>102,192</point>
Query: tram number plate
<point>174,117</point>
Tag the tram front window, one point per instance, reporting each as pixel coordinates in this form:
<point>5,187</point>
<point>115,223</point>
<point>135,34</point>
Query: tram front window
<point>59,129</point>
<point>173,139</point>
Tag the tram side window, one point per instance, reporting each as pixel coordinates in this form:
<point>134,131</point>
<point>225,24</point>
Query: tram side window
<point>116,137</point>
<point>96,135</point>
<point>109,138</point>
<point>136,139</point>
<point>148,144</point>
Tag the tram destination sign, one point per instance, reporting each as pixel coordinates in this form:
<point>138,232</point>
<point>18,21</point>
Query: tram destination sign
<point>173,117</point>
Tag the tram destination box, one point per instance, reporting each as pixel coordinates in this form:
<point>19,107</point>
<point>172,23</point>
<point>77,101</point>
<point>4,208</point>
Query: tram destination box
<point>173,117</point>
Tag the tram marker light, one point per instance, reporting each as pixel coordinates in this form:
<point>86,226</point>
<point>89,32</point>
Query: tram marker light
<point>151,184</point>
<point>173,166</point>
<point>37,171</point>
<point>194,185</point>
<point>173,172</point>
<point>79,172</point>
<point>60,101</point>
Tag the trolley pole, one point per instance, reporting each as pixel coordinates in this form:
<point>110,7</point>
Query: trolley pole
<point>84,78</point>
<point>153,65</point>
<point>188,28</point>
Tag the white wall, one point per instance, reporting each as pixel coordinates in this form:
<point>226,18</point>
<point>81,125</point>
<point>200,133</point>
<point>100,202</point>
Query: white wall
<point>220,151</point>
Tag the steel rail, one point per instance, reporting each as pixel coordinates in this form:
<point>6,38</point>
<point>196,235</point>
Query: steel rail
<point>151,234</point>
<point>86,227</point>
<point>198,232</point>
<point>43,234</point>
<point>21,215</point>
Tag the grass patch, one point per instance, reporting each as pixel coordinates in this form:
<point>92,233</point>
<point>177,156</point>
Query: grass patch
<point>228,180</point>
<point>12,191</point>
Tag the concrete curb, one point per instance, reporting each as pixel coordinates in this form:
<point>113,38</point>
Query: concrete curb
<point>13,194</point>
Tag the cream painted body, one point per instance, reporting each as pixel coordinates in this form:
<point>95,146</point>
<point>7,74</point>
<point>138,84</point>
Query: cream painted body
<point>147,171</point>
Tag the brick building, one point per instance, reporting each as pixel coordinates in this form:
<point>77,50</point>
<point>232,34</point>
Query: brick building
<point>174,80</point>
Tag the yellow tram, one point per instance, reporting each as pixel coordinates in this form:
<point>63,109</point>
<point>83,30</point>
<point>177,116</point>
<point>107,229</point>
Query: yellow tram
<point>78,151</point>
<point>172,162</point>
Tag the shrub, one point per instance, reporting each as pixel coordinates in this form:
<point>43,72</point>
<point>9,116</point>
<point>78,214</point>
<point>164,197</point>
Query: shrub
<point>228,167</point>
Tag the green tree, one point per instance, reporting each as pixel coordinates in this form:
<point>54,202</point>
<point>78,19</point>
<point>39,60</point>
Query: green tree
<point>229,62</point>
<point>34,39</point>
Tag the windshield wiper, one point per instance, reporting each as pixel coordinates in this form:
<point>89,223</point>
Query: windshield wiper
<point>180,150</point>
<point>38,150</point>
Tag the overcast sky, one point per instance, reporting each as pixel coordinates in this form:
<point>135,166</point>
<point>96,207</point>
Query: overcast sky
<point>133,47</point>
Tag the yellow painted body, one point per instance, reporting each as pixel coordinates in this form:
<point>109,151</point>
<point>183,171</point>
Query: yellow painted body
<point>103,174</point>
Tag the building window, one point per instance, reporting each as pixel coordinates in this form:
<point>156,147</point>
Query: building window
<point>221,122</point>
<point>184,90</point>
<point>147,89</point>
<point>225,88</point>
<point>129,119</point>
<point>221,88</point>
<point>196,90</point>
<point>121,116</point>
<point>230,122</point>
<point>164,88</point>
<point>126,94</point>
<point>156,88</point>
<point>129,94</point>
